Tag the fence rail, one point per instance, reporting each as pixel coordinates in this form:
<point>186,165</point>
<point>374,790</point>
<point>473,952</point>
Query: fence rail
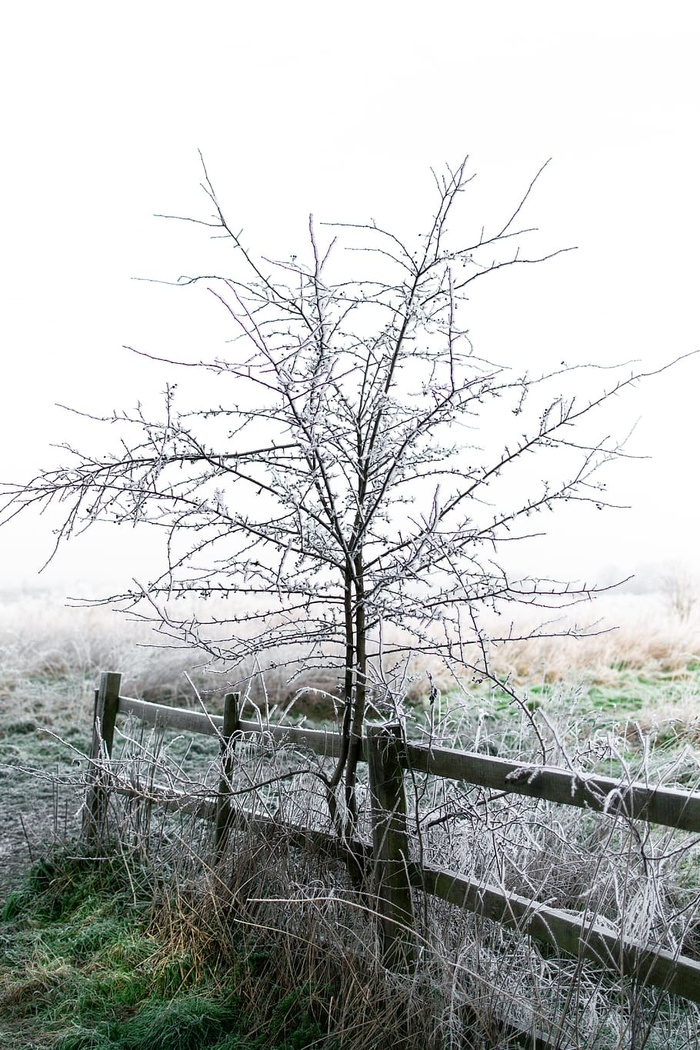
<point>657,805</point>
<point>395,875</point>
<point>638,801</point>
<point>316,740</point>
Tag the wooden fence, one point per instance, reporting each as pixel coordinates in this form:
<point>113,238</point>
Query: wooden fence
<point>394,875</point>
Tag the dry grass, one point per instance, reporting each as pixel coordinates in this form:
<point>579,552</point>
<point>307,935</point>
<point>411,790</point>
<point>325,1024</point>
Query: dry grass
<point>633,631</point>
<point>638,662</point>
<point>41,635</point>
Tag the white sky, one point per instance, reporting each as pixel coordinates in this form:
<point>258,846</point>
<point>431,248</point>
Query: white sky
<point>341,109</point>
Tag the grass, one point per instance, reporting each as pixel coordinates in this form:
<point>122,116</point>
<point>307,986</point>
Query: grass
<point>102,952</point>
<point>90,968</point>
<point>154,944</point>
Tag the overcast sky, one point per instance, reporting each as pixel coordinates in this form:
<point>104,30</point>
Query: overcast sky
<point>341,110</point>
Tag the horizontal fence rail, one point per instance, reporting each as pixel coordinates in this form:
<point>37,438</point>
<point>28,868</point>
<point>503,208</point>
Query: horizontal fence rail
<point>570,933</point>
<point>657,805</point>
<point>317,740</point>
<point>388,755</point>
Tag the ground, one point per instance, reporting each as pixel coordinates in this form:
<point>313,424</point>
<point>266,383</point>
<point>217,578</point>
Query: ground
<point>42,728</point>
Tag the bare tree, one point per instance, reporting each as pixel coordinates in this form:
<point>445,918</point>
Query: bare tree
<point>679,586</point>
<point>360,473</point>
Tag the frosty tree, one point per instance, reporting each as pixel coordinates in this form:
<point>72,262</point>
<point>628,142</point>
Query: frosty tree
<point>359,468</point>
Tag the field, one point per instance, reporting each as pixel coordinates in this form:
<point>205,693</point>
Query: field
<point>154,947</point>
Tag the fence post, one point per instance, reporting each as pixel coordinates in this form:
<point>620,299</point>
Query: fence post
<point>390,845</point>
<point>228,743</point>
<point>106,708</point>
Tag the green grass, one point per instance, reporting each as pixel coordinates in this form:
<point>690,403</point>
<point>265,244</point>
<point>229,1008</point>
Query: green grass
<point>84,966</point>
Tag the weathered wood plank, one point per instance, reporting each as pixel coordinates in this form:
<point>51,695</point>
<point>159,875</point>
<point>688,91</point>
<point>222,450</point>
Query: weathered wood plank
<point>222,822</point>
<point>390,844</point>
<point>106,708</point>
<point>320,741</point>
<point>171,717</point>
<point>668,806</point>
<point>176,801</point>
<point>677,974</point>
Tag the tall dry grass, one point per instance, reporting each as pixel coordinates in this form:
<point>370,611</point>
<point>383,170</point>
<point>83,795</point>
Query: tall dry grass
<point>43,633</point>
<point>626,639</point>
<point>641,632</point>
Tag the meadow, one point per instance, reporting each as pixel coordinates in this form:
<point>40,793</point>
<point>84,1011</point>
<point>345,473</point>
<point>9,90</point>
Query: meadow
<point>155,945</point>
